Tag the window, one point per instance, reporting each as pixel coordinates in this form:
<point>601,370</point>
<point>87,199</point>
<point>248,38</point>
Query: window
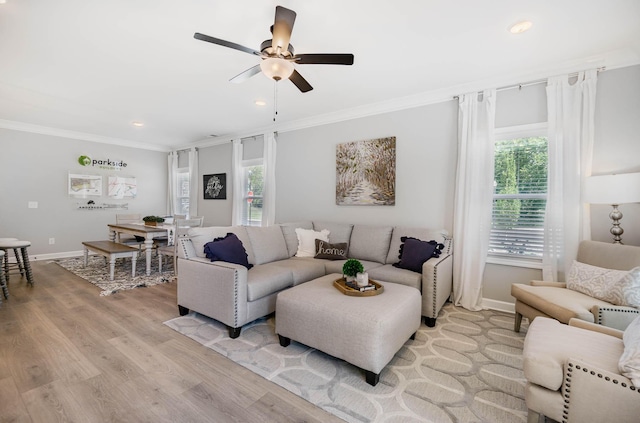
<point>520,195</point>
<point>182,191</point>
<point>254,184</point>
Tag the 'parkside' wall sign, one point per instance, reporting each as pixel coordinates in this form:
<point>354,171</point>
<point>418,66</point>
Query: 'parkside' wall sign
<point>102,164</point>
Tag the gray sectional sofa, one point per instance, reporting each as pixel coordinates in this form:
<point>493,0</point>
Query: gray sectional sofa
<point>235,295</point>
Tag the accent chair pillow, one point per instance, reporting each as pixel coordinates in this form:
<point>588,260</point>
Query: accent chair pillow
<point>597,282</point>
<point>337,251</point>
<point>414,252</point>
<point>307,241</point>
<point>630,288</point>
<point>228,248</point>
<point>629,364</point>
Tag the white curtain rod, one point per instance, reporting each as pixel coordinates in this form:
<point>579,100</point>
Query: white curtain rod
<point>536,82</point>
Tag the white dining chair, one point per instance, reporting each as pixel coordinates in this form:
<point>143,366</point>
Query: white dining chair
<point>182,227</point>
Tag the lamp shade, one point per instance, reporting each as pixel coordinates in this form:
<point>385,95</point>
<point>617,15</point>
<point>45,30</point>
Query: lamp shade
<point>613,189</point>
<point>276,68</point>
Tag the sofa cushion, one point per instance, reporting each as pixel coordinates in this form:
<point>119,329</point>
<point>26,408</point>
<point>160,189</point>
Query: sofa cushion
<point>303,269</point>
<point>597,282</point>
<point>266,279</point>
<point>629,363</point>
<point>414,252</point>
<point>200,236</point>
<point>389,273</point>
<point>307,241</point>
<point>290,236</point>
<point>549,344</point>
<point>338,232</point>
<point>420,233</point>
<point>370,242</point>
<point>335,266</point>
<point>327,251</point>
<point>228,248</point>
<point>268,243</point>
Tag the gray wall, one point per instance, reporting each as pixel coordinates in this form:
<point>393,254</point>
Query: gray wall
<point>216,159</point>
<point>35,167</point>
<point>426,139</point>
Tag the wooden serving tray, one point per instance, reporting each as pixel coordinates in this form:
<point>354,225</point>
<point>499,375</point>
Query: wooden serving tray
<point>340,284</point>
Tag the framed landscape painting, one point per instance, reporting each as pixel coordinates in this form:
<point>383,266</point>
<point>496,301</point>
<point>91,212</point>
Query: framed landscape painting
<point>215,186</point>
<point>366,172</point>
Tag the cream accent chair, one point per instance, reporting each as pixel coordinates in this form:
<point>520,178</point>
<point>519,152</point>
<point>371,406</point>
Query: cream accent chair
<point>553,299</point>
<point>572,374</point>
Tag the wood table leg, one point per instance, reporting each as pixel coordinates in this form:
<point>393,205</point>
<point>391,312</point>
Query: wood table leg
<point>86,256</point>
<point>148,246</point>
<point>134,257</point>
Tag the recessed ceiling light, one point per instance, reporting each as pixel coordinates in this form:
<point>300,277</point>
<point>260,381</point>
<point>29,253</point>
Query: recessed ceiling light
<point>261,103</point>
<point>134,123</point>
<point>520,27</point>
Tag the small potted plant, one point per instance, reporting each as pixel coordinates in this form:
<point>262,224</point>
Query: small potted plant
<point>152,220</point>
<point>351,268</point>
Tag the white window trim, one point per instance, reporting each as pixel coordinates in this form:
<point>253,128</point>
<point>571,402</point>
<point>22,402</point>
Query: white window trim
<point>511,132</point>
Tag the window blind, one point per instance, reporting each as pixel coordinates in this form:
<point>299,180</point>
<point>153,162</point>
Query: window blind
<point>519,201</point>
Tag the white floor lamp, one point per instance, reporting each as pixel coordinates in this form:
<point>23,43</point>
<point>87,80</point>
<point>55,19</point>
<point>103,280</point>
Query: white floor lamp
<point>614,190</point>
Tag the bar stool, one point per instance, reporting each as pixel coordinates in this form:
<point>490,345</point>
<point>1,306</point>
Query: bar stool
<point>24,267</point>
<point>17,264</point>
<point>3,280</point>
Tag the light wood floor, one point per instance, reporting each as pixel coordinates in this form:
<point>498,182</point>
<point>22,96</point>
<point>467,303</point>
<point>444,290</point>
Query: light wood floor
<point>68,354</point>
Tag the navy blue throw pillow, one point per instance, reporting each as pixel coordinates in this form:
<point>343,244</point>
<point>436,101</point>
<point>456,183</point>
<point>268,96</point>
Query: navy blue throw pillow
<point>414,252</point>
<point>229,249</point>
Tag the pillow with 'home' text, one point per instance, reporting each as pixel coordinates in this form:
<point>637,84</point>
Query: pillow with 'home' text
<point>337,251</point>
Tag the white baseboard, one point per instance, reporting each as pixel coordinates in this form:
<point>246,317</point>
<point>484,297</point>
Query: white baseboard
<point>51,256</point>
<point>499,305</point>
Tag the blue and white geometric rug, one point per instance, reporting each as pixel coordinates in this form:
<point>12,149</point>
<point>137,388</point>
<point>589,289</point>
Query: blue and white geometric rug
<point>468,368</point>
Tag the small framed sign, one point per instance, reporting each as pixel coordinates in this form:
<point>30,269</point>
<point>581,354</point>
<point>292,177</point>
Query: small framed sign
<point>215,186</point>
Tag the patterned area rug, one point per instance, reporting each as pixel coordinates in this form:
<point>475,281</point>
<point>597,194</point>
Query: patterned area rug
<point>97,272</point>
<point>468,368</point>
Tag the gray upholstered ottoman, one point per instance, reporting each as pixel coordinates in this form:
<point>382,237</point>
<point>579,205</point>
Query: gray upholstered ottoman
<point>364,331</point>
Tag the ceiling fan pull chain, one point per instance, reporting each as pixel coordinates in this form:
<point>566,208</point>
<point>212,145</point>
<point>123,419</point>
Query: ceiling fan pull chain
<point>275,100</point>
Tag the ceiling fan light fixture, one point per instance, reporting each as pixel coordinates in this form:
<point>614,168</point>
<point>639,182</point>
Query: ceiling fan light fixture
<point>520,27</point>
<point>276,68</point>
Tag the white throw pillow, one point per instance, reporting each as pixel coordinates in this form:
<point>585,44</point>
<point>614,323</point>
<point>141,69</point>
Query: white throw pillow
<point>307,241</point>
<point>630,288</point>
<point>629,364</point>
<point>597,282</point>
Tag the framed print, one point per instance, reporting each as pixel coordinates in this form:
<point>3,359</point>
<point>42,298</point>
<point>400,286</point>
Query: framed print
<point>215,186</point>
<point>366,172</point>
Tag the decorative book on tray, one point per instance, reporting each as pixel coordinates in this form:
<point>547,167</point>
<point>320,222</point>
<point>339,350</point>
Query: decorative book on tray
<point>352,288</point>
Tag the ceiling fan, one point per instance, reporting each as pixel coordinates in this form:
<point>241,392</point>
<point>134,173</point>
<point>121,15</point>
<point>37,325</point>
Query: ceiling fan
<point>278,56</point>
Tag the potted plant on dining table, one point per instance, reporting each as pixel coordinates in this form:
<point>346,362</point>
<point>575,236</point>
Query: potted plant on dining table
<point>152,220</point>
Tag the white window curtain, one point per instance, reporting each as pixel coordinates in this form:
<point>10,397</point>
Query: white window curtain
<point>237,177</point>
<point>193,182</point>
<point>473,196</point>
<point>269,191</point>
<point>172,171</point>
<point>571,109</point>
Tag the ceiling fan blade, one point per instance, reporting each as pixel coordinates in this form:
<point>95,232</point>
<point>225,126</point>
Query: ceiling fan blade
<point>224,43</point>
<point>282,27</point>
<point>300,82</point>
<point>324,59</point>
<point>243,76</point>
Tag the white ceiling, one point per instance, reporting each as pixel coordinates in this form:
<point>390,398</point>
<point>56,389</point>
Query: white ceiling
<point>88,68</point>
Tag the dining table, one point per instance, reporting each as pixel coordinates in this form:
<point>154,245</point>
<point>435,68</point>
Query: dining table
<point>145,231</point>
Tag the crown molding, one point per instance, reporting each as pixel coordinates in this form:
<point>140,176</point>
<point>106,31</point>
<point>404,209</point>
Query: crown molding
<point>83,136</point>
